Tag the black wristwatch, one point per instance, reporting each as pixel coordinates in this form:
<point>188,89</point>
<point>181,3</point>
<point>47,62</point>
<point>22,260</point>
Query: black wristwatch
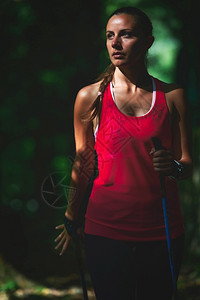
<point>177,170</point>
<point>71,227</point>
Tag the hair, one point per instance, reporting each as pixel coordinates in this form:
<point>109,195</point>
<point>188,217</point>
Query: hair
<point>146,25</point>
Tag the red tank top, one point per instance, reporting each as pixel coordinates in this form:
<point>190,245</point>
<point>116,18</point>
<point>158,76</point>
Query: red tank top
<point>125,202</point>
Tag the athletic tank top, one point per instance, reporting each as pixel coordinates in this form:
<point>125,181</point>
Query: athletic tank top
<point>125,202</point>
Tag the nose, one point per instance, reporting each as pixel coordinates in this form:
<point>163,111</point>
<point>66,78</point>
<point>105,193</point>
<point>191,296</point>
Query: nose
<point>116,43</point>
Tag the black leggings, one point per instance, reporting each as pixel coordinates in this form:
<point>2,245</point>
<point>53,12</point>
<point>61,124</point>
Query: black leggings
<point>131,270</point>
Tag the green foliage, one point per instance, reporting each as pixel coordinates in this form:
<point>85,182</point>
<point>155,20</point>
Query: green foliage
<point>113,5</point>
<point>62,163</point>
<point>16,204</point>
<point>28,148</point>
<point>190,199</point>
<point>25,17</point>
<point>20,51</point>
<point>18,175</point>
<point>10,285</point>
<point>164,52</point>
<point>50,77</point>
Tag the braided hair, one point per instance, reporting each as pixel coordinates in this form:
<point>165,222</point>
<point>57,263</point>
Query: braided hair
<point>95,108</point>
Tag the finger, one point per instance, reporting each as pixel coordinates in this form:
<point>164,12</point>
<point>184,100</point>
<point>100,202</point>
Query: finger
<point>163,164</point>
<point>65,246</point>
<point>60,236</point>
<point>162,153</point>
<point>60,226</point>
<point>152,151</point>
<point>163,170</point>
<point>60,243</point>
<point>163,159</point>
<point>166,170</point>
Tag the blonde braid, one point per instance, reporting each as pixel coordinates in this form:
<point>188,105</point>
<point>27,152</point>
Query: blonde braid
<point>95,108</point>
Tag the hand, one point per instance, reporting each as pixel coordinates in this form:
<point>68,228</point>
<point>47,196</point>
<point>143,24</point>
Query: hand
<point>162,161</point>
<point>63,239</point>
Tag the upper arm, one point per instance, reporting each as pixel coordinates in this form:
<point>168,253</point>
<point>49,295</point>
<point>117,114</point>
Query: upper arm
<point>83,130</point>
<point>182,133</point>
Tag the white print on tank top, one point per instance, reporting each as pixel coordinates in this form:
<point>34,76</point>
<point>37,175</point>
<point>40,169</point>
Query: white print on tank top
<point>152,103</point>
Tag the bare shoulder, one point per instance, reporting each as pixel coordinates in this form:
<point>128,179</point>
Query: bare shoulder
<point>87,95</point>
<point>175,96</point>
<point>173,90</point>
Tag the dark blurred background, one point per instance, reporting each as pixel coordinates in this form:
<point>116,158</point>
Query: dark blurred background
<point>49,50</point>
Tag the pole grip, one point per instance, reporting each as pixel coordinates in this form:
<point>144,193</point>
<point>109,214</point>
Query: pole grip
<point>158,146</point>
<point>157,143</point>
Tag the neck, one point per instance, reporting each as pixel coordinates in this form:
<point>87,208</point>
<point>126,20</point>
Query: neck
<point>137,76</point>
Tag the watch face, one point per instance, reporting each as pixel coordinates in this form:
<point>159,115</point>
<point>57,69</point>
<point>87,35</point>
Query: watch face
<point>179,167</point>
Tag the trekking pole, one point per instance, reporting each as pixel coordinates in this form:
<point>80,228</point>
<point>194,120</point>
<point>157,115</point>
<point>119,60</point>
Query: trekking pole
<point>81,218</point>
<point>80,266</point>
<point>71,227</point>
<point>158,146</point>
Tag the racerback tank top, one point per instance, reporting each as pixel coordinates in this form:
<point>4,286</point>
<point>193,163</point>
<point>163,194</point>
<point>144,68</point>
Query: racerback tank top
<point>125,201</point>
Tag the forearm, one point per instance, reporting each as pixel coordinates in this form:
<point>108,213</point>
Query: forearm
<point>81,173</point>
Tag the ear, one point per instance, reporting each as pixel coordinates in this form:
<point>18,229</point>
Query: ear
<point>150,40</point>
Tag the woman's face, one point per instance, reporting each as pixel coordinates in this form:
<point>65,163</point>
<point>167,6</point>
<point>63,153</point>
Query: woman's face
<point>126,42</point>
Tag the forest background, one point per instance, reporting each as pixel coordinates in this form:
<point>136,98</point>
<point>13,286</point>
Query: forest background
<point>49,50</point>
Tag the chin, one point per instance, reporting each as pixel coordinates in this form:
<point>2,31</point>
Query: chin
<point>119,63</point>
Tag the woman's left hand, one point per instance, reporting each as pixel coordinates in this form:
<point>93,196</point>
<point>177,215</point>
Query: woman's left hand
<point>63,239</point>
<point>162,161</point>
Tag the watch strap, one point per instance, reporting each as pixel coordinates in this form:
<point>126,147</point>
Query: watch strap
<point>177,170</point>
<point>71,227</point>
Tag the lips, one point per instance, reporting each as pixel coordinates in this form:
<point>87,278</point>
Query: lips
<point>118,54</point>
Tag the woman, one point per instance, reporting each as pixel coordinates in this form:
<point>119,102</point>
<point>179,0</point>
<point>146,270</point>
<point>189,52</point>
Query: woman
<point>125,239</point>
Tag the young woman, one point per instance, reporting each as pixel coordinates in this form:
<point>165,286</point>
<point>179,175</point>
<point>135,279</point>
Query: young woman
<point>125,238</point>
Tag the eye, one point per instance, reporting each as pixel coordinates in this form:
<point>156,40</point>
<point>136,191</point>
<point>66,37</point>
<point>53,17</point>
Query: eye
<point>109,35</point>
<point>127,34</point>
